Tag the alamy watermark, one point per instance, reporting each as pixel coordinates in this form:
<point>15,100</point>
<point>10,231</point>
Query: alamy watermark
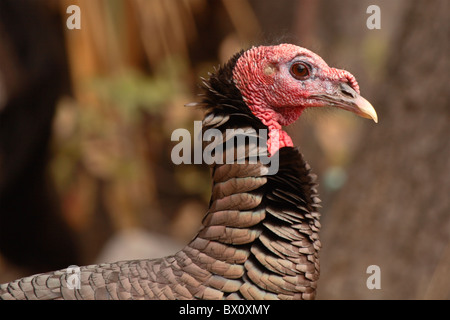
<point>74,277</point>
<point>374,20</point>
<point>374,280</point>
<point>74,20</point>
<point>240,146</point>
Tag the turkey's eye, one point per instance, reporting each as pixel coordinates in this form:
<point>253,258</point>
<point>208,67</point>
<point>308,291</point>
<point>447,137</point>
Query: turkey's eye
<point>299,70</point>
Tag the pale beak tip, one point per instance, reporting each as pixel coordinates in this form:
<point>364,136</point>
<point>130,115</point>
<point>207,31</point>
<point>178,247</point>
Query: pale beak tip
<point>375,118</point>
<point>365,109</point>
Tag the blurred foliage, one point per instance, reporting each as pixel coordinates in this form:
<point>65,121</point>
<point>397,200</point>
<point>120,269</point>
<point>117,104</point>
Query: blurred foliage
<point>131,75</point>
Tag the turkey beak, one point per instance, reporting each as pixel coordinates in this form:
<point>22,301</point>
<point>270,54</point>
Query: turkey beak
<point>348,99</point>
<point>345,97</point>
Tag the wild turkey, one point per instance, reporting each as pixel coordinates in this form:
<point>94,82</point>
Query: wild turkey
<point>259,238</point>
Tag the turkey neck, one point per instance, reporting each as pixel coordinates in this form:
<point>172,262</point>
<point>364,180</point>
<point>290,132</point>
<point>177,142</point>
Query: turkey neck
<point>261,230</point>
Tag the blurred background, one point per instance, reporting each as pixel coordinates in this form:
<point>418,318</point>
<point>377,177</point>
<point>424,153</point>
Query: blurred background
<point>86,117</point>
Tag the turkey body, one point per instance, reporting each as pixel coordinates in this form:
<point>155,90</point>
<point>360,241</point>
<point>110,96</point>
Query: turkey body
<point>259,238</point>
<point>259,241</point>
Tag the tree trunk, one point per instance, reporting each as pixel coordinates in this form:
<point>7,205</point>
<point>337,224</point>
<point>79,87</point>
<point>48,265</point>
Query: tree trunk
<point>394,211</point>
<point>33,233</point>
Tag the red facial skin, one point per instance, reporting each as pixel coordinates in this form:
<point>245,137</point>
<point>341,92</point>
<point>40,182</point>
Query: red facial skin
<point>262,74</point>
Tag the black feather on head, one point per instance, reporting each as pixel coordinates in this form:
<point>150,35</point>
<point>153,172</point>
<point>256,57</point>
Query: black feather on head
<point>222,97</point>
